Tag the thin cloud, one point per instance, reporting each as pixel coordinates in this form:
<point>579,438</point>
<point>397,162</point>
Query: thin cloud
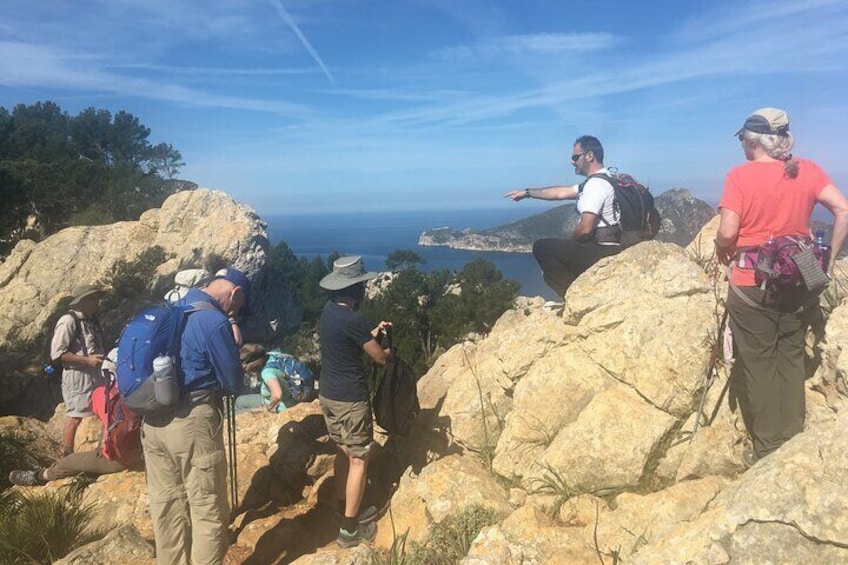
<point>281,10</point>
<point>38,66</point>
<point>212,71</point>
<point>531,44</point>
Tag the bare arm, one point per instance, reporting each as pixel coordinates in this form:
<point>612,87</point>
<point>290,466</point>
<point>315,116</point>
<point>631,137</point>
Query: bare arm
<point>276,393</point>
<point>377,352</point>
<point>728,233</point>
<point>585,227</point>
<point>831,198</point>
<point>547,193</point>
<point>73,360</point>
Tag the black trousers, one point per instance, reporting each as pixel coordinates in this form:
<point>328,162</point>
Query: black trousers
<point>769,371</point>
<point>563,260</point>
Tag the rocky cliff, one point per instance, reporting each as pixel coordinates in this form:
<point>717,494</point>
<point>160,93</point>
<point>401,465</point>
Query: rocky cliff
<point>195,228</point>
<point>576,432</point>
<point>682,215</point>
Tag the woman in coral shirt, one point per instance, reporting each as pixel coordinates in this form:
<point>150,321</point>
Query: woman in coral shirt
<point>771,195</point>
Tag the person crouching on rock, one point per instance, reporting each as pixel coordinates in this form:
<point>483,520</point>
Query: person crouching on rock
<point>119,449</point>
<point>344,394</point>
<point>596,234</point>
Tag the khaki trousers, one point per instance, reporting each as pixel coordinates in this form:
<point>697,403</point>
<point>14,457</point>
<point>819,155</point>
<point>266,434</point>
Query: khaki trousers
<point>187,485</point>
<point>86,462</point>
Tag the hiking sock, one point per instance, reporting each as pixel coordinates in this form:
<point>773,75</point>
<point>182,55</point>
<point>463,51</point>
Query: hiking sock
<point>350,524</point>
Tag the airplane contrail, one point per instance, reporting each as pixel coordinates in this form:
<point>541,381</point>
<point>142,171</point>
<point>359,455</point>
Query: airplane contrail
<point>278,4</point>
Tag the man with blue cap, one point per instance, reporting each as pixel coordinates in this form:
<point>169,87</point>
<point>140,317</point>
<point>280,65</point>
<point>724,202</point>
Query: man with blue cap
<point>184,450</point>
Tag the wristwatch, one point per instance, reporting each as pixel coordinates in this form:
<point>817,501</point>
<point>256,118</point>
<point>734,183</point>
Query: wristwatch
<point>526,193</point>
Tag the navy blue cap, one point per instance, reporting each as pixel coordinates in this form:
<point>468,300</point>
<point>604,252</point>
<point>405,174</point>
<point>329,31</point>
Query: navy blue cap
<point>239,279</point>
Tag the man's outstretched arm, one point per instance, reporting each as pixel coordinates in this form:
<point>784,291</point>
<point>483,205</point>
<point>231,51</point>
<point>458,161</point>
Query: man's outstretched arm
<point>547,193</point>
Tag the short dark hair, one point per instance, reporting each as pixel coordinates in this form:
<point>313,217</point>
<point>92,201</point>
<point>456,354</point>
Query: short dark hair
<point>590,143</point>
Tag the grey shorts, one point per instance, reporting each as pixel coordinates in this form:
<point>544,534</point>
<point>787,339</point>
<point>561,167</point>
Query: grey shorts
<point>76,392</point>
<point>349,425</point>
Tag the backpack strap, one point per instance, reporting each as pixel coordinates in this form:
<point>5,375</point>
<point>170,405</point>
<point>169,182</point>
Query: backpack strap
<point>611,181</point>
<point>77,335</point>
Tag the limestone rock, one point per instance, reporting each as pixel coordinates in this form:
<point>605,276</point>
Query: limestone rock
<point>122,545</point>
<point>528,537</point>
<point>788,506</point>
<point>639,519</point>
<point>119,498</point>
<point>443,488</point>
<point>550,397</point>
<point>193,226</point>
<point>702,248</point>
<point>334,555</point>
<point>601,450</point>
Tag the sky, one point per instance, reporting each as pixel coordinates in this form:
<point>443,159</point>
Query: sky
<point>308,106</point>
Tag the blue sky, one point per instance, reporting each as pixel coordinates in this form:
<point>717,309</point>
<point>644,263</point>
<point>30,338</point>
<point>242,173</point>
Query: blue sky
<point>298,106</point>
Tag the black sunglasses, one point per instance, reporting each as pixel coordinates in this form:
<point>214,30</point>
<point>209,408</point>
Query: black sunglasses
<point>577,156</point>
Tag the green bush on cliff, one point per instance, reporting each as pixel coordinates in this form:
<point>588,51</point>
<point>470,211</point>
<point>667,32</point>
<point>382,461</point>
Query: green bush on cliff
<point>133,279</point>
<point>89,169</point>
<point>43,526</point>
<point>17,451</point>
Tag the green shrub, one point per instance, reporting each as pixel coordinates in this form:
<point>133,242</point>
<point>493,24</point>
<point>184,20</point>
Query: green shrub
<point>449,541</point>
<point>44,526</point>
<point>132,279</point>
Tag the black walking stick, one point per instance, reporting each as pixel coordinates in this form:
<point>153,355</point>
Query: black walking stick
<point>708,378</point>
<point>230,408</point>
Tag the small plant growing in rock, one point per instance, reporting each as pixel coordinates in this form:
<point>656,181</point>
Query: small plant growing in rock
<point>44,526</point>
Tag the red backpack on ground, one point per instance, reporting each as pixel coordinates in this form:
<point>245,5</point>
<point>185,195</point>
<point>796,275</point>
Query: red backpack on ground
<point>121,439</point>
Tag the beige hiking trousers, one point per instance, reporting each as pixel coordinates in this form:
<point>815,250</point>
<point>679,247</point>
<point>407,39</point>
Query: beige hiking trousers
<point>187,485</point>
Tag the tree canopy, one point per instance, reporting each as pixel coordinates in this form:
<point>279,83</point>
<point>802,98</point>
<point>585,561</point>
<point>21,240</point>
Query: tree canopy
<point>92,168</point>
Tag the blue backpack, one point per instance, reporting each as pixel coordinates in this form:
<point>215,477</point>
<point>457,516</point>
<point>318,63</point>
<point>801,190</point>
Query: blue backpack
<point>296,376</point>
<point>153,332</point>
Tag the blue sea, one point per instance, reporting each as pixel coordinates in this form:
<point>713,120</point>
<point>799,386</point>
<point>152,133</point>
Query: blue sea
<point>374,235</point>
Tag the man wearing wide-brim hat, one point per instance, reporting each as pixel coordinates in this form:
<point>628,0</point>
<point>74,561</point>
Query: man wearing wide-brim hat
<point>344,394</point>
<point>78,345</point>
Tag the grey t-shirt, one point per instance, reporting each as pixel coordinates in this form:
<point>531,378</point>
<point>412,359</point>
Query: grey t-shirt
<point>343,333</point>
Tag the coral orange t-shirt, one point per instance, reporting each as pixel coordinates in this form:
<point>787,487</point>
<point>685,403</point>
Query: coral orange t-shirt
<point>770,204</point>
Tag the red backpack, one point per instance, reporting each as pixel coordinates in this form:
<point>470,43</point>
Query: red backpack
<point>121,440</point>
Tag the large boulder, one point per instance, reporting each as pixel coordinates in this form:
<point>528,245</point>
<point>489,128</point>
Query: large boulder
<point>192,227</point>
<point>788,508</point>
<point>122,545</point>
<point>195,228</point>
<point>444,488</point>
<point>528,536</point>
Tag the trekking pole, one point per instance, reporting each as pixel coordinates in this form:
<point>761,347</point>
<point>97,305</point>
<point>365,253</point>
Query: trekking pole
<point>231,438</point>
<point>708,377</point>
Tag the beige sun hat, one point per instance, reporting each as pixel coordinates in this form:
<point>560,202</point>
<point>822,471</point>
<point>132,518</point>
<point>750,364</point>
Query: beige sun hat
<point>347,271</point>
<point>84,291</point>
<point>772,121</point>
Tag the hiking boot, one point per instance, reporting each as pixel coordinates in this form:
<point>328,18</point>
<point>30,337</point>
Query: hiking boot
<point>748,457</point>
<point>27,478</point>
<point>364,532</point>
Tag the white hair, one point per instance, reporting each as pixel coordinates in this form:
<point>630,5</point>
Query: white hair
<point>776,147</point>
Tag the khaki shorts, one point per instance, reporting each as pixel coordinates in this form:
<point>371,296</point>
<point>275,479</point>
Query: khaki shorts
<point>76,392</point>
<point>349,425</point>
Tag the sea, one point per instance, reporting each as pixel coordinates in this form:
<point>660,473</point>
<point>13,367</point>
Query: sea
<point>374,235</point>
